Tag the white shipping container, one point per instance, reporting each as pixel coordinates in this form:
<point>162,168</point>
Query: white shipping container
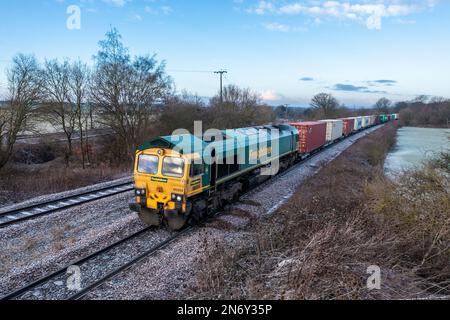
<point>373,119</point>
<point>366,121</point>
<point>335,129</point>
<point>358,123</point>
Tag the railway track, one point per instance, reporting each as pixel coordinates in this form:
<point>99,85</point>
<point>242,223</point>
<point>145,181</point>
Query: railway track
<point>85,291</point>
<point>144,253</point>
<point>55,283</point>
<point>43,208</point>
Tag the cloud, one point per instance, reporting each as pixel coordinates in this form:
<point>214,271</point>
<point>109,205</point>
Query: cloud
<point>270,95</point>
<point>165,10</point>
<point>370,12</point>
<point>306,79</point>
<point>387,83</point>
<point>353,88</point>
<point>263,7</point>
<point>348,87</point>
<point>118,3</point>
<point>137,17</point>
<point>277,27</point>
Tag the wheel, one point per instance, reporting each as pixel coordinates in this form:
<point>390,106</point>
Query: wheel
<point>175,220</point>
<point>177,223</point>
<point>150,217</point>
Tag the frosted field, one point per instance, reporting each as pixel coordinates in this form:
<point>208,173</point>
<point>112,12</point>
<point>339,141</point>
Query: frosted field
<point>416,145</point>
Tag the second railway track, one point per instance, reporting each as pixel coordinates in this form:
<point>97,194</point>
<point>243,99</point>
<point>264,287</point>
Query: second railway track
<point>98,265</point>
<point>43,208</point>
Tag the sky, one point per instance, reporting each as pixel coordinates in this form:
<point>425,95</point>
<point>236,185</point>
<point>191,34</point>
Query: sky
<point>285,50</point>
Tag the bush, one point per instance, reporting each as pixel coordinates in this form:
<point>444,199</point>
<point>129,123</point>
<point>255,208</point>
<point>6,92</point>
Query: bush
<point>35,154</point>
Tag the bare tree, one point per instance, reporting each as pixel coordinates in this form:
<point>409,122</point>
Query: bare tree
<point>240,107</point>
<point>124,90</point>
<point>383,105</point>
<point>58,109</point>
<point>191,107</point>
<point>24,86</point>
<point>325,105</point>
<point>78,93</point>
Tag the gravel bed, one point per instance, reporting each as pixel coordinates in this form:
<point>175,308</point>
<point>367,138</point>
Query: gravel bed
<point>99,266</point>
<point>56,196</point>
<point>171,273</point>
<point>43,245</point>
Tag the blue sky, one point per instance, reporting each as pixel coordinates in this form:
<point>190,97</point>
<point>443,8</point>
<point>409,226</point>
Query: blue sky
<point>286,50</point>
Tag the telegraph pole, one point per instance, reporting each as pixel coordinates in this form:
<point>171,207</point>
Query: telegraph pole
<point>221,73</point>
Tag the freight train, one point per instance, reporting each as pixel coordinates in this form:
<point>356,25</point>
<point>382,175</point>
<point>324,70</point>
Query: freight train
<point>181,179</point>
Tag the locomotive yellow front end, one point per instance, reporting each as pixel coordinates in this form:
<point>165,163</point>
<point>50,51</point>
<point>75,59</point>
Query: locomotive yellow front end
<point>161,176</point>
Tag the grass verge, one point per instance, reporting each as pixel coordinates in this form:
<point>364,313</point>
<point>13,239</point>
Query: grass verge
<point>344,220</point>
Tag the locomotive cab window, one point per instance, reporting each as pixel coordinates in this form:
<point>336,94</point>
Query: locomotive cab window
<point>197,170</point>
<point>173,167</point>
<point>148,164</point>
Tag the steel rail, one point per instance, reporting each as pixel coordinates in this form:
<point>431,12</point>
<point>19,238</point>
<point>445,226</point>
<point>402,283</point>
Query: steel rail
<point>85,291</point>
<point>44,208</point>
<point>20,292</point>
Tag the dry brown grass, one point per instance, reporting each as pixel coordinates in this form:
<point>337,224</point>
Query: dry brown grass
<point>21,184</point>
<point>349,217</point>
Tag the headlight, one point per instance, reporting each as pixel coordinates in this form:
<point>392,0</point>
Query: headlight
<point>177,198</point>
<point>141,192</point>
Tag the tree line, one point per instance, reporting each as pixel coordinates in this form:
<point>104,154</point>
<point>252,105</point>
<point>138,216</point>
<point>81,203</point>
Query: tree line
<point>132,97</point>
<point>135,99</point>
<point>421,111</point>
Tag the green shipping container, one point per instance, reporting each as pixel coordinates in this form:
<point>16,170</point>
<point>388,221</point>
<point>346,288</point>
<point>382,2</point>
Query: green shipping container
<point>383,118</point>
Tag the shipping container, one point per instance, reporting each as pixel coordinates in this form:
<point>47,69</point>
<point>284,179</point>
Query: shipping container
<point>373,120</point>
<point>312,135</point>
<point>366,121</point>
<point>377,120</point>
<point>349,126</point>
<point>383,118</point>
<point>358,123</point>
<point>335,129</point>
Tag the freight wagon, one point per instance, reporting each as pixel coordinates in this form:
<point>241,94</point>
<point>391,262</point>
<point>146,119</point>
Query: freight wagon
<point>312,135</point>
<point>376,120</point>
<point>358,123</point>
<point>335,129</point>
<point>349,126</point>
<point>366,121</point>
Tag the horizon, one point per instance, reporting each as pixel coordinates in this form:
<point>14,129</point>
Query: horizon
<point>287,51</point>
